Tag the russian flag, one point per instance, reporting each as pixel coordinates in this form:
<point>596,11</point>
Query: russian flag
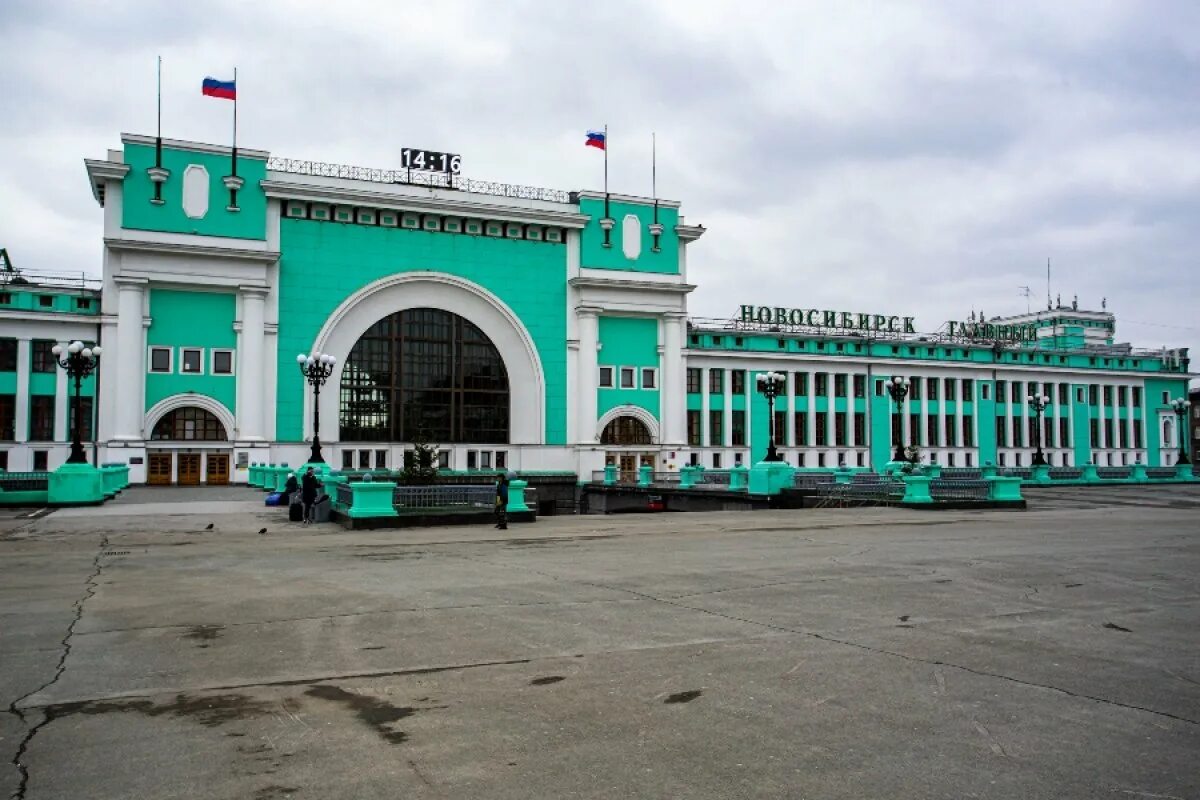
<point>226,90</point>
<point>595,139</point>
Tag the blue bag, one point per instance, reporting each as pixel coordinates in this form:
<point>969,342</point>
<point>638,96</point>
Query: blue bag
<point>275,499</point>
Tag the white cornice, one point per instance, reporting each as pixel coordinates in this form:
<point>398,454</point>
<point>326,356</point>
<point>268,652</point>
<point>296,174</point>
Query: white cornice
<point>628,198</point>
<point>287,190</point>
<point>100,171</point>
<point>689,233</point>
<point>175,248</point>
<point>624,284</point>
<point>58,318</point>
<point>199,147</point>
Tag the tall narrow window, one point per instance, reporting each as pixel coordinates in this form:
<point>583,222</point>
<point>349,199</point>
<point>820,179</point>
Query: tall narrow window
<point>739,428</point>
<point>41,418</point>
<point>716,428</point>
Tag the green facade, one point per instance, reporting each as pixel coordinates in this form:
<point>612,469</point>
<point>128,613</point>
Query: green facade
<point>595,255</point>
<point>628,342</point>
<point>187,319</point>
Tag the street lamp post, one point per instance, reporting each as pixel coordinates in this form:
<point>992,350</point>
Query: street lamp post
<point>79,361</point>
<point>1180,406</point>
<point>898,388</point>
<point>316,369</point>
<point>770,384</point>
<point>1038,403</point>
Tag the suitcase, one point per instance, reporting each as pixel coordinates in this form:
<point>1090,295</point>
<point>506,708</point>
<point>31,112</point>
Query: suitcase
<point>296,512</point>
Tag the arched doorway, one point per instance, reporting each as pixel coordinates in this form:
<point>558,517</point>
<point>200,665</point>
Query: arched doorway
<point>424,374</point>
<point>192,434</point>
<point>627,437</point>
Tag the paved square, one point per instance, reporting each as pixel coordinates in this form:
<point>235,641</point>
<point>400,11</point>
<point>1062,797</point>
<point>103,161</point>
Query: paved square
<point>832,654</point>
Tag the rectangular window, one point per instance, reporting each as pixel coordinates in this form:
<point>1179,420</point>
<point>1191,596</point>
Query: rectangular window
<point>839,429</point>
<point>799,460</point>
<point>914,387</point>
<point>879,388</point>
<point>485,459</point>
<point>1001,391</point>
<point>364,458</point>
<point>914,430</point>
<point>1063,435</point>
<point>1121,395</point>
<point>85,418</point>
<point>716,460</point>
<point>45,301</point>
<point>801,428</point>
<point>1094,428</point>
<point>8,417</point>
<point>693,380</point>
<point>41,418</point>
<point>1018,432</point>
<point>716,381</point>
<point>822,433</point>
<point>716,425</point>
<point>839,385</point>
<point>627,378</point>
<point>1137,434</point>
<point>8,355</point>
<point>222,362</point>
<point>649,378</point>
<point>4,460</point>
<point>381,459</point>
<point>5,299</point>
<point>950,460</point>
<point>738,380</point>
<point>1137,395</point>
<point>860,428</point>
<point>1108,395</point>
<point>606,377</point>
<point>821,384</point>
<point>1093,394</point>
<point>932,431</point>
<point>472,459</point>
<point>192,360</point>
<point>1166,397</point>
<point>347,459</point>
<point>968,431</point>
<point>693,425</point>
<point>951,431</point>
<point>501,459</point>
<point>897,433</point>
<point>931,388</point>
<point>160,359</point>
<point>951,389</point>
<point>801,383</point>
<point>41,460</point>
<point>739,428</point>
<point>43,359</point>
<point>1001,432</point>
<point>968,390</point>
<point>1062,394</point>
<point>781,433</point>
<point>1108,433</point>
<point>83,303</point>
<point>1016,395</point>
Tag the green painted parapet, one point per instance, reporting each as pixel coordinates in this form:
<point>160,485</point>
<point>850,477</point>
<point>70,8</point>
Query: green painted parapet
<point>738,478</point>
<point>1040,473</point>
<point>253,477</point>
<point>75,485</point>
<point>331,484</point>
<point>988,470</point>
<point>932,470</point>
<point>916,489</point>
<point>687,477</point>
<point>1183,472</point>
<point>771,477</point>
<point>110,480</point>
<point>1003,487</point>
<point>1089,473</point>
<point>1137,473</point>
<point>281,476</point>
<point>266,476</point>
<point>645,475</point>
<point>516,496</point>
<point>843,475</point>
<point>610,474</point>
<point>372,499</point>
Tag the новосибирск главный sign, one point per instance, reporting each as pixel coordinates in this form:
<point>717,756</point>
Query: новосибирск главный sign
<point>852,321</point>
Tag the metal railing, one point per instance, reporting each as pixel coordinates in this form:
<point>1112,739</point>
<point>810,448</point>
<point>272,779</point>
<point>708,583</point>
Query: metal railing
<point>59,280</point>
<point>962,473</point>
<point>345,495</point>
<point>812,480</point>
<point>24,481</point>
<point>408,177</point>
<point>958,489</point>
<point>1113,472</point>
<point>1065,473</point>
<point>1160,472</point>
<point>885,491</point>
<point>419,497</point>
<point>1024,473</point>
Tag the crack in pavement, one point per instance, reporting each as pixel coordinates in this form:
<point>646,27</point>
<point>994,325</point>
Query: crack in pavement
<point>14,708</point>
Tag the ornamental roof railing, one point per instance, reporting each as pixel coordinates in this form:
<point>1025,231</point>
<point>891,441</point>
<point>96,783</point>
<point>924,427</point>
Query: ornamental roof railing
<point>409,177</point>
<point>31,279</point>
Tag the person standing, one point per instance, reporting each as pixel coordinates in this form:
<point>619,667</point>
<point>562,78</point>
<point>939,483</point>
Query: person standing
<point>502,502</point>
<point>308,493</point>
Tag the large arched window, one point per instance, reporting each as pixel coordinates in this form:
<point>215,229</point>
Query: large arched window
<point>424,374</point>
<point>189,424</point>
<point>626,431</point>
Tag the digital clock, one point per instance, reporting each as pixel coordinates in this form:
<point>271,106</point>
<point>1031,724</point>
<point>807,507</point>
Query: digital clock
<point>412,158</point>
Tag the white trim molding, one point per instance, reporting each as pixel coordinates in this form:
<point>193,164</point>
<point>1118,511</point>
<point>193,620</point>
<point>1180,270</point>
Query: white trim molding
<point>629,410</point>
<point>175,401</point>
<point>347,324</point>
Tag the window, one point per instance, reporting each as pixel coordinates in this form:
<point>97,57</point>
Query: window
<point>1166,397</point>
<point>41,418</point>
<point>739,428</point>
<point>364,458</point>
<point>968,390</point>
<point>1122,393</point>
<point>5,299</point>
<point>716,381</point>
<point>693,459</point>
<point>820,459</point>
<point>222,362</point>
<point>381,459</point>
<point>738,380</point>
<point>1015,395</point>
<point>627,378</point>
<point>501,459</point>
<point>85,418</point>
<point>1108,395</point>
<point>801,383</point>
<point>1001,391</point>
<point>860,428</point>
<point>1137,395</point>
<point>8,355</point>
<point>347,459</point>
<point>950,460</point>
<point>485,459</point>
<point>822,384</point>
<point>83,303</point>
<point>1018,432</point>
<point>822,430</point>
<point>968,430</point>
<point>693,380</point>
<point>1109,439</point>
<point>193,360</point>
<point>43,359</point>
<point>781,431</point>
<point>932,427</point>
<point>879,388</point>
<point>985,391</point>
<point>716,460</point>
<point>1001,432</point>
<point>839,385</point>
<point>914,388</point>
<point>606,377</point>
<point>8,417</point>
<point>45,301</point>
<point>1094,429</point>
<point>190,423</point>
<point>160,359</point>
<point>693,425</point>
<point>800,460</point>
<point>1137,434</point>
<point>472,459</point>
<point>1063,435</point>
<point>649,378</point>
<point>716,428</point>
<point>970,462</point>
<point>914,429</point>
<point>839,428</point>
<point>951,431</point>
<point>1062,394</point>
<point>951,389</point>
<point>41,460</point>
<point>1093,394</point>
<point>802,428</point>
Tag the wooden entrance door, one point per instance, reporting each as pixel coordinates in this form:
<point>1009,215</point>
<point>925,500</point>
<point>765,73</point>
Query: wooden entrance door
<point>217,469</point>
<point>189,469</point>
<point>158,472</point>
<point>627,468</point>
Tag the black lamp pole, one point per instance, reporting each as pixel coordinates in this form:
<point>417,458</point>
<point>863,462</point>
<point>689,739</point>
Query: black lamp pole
<point>770,384</point>
<point>1038,403</point>
<point>316,369</point>
<point>1180,407</point>
<point>79,361</point>
<point>898,388</point>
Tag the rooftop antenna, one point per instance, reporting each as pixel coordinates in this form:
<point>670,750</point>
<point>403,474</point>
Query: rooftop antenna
<point>1048,306</point>
<point>1027,293</point>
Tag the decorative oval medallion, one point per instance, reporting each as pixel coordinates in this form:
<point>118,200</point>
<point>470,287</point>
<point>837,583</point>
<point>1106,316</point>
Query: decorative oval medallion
<point>195,191</point>
<point>631,237</point>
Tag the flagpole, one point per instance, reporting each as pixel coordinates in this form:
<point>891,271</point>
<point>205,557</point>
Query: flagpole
<point>234,123</point>
<point>606,169</point>
<point>158,136</point>
<point>654,172</point>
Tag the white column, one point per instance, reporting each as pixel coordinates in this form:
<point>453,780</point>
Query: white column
<point>851,439</point>
<point>62,393</point>
<point>24,365</point>
<point>588,322</point>
<point>830,419</point>
<point>251,373</point>
<point>790,419</point>
<point>958,414</point>
<point>672,394</point>
<point>1129,417</point>
<point>128,369</point>
<point>1010,410</point>
<point>727,412</point>
<point>810,436</point>
<point>705,430</point>
<point>1101,433</point>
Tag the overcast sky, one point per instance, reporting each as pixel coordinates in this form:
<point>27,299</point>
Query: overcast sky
<point>921,159</point>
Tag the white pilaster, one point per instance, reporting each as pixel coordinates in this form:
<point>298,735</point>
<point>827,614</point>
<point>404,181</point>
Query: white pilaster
<point>61,402</point>
<point>588,320</point>
<point>705,429</point>
<point>128,369</point>
<point>673,395</point>
<point>791,408</point>
<point>251,372</point>
<point>24,365</point>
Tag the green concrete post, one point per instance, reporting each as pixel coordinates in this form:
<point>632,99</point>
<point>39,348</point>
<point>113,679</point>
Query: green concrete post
<point>771,477</point>
<point>252,474</point>
<point>268,478</point>
<point>987,470</point>
<point>1137,473</point>
<point>739,478</point>
<point>841,475</point>
<point>610,474</point>
<point>516,496</point>
<point>916,489</point>
<point>687,477</point>
<point>1183,472</point>
<point>645,475</point>
<point>1040,473</point>
<point>1090,474</point>
<point>932,470</point>
<point>1004,488</point>
<point>281,476</point>
<point>372,499</point>
<point>75,485</point>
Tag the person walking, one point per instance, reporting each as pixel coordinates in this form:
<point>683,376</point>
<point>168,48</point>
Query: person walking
<point>502,502</point>
<point>308,493</point>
